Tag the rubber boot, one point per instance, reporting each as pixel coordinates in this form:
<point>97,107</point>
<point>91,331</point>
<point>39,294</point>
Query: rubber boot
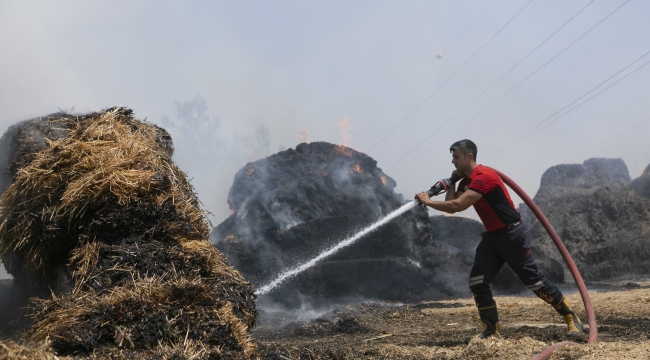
<point>490,318</point>
<point>570,317</point>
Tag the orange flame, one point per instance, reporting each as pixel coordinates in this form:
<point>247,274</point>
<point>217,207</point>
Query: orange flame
<point>357,168</point>
<point>384,179</point>
<point>340,149</point>
<point>304,136</point>
<point>250,170</point>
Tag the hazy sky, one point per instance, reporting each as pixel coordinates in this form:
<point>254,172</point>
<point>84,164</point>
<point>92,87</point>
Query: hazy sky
<point>265,71</point>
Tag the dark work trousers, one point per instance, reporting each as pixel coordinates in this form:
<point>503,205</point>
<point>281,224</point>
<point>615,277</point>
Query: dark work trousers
<point>511,247</point>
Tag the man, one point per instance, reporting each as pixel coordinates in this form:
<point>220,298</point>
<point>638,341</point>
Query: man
<point>505,241</point>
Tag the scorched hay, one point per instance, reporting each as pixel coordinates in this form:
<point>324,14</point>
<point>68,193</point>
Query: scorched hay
<point>99,196</point>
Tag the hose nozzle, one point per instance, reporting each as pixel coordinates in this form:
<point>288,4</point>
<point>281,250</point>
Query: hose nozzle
<point>442,185</point>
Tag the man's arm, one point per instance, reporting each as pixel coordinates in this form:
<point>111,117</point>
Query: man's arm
<point>465,200</point>
<point>451,193</point>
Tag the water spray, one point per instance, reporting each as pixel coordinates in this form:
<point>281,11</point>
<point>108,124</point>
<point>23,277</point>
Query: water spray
<point>438,188</point>
<point>295,271</point>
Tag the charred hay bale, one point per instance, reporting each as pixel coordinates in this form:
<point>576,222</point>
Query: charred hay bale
<point>599,216</point>
<point>289,207</point>
<point>103,201</point>
<point>141,315</point>
<point>642,183</point>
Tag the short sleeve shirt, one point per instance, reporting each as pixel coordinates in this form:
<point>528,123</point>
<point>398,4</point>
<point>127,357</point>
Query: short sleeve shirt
<point>495,208</point>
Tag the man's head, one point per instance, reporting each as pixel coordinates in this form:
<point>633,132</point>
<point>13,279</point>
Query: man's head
<point>463,155</point>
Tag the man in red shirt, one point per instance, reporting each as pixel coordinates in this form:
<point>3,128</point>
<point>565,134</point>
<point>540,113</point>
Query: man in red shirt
<point>505,241</point>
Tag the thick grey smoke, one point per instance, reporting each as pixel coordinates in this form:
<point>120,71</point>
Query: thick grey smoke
<point>208,154</point>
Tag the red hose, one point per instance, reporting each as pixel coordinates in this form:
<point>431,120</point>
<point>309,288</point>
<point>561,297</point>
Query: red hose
<point>546,353</point>
<point>591,316</point>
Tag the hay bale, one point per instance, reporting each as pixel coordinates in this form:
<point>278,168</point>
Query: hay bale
<point>104,201</point>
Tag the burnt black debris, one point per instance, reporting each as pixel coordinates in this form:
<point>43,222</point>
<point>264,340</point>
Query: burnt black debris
<point>95,210</point>
<point>289,207</point>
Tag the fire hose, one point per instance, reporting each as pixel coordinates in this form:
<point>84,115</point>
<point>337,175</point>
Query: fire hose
<point>443,185</point>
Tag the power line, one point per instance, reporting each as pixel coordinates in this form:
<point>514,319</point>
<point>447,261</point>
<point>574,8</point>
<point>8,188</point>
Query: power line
<point>543,65</point>
<point>496,82</point>
<point>453,45</point>
<point>472,22</point>
<point>450,77</point>
<point>519,62</point>
<point>596,95</point>
<point>516,86</point>
<point>544,123</point>
<point>624,131</point>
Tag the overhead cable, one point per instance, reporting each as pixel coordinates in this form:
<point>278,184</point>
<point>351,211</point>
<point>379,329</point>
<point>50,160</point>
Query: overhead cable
<point>514,87</point>
<point>594,96</point>
<point>543,66</point>
<point>449,78</point>
<point>494,83</point>
<point>544,123</point>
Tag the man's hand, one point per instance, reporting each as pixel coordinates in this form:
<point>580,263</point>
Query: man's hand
<point>458,173</point>
<point>423,198</point>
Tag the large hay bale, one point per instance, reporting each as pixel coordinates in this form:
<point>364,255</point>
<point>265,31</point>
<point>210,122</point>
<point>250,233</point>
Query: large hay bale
<point>103,200</point>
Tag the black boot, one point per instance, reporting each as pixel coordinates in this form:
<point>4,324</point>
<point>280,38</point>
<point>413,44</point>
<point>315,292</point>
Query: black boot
<point>490,318</point>
<point>572,321</point>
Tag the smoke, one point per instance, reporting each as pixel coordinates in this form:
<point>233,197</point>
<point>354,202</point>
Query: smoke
<point>3,273</point>
<point>345,127</point>
<point>304,136</point>
<point>273,314</point>
<point>209,154</point>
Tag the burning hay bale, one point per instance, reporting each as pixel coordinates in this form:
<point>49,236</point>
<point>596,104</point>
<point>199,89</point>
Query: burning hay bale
<point>102,200</point>
<point>289,207</point>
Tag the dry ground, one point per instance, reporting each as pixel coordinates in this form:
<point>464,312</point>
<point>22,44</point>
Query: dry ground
<point>438,330</point>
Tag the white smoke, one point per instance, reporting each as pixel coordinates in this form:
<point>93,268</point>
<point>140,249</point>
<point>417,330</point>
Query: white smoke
<point>209,156</point>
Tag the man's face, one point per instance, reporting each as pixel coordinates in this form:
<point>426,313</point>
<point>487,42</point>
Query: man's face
<point>460,160</point>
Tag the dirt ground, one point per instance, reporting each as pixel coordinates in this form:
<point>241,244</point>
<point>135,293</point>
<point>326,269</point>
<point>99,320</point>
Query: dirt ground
<point>438,329</point>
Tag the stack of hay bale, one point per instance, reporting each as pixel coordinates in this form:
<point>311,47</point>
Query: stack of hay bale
<point>104,201</point>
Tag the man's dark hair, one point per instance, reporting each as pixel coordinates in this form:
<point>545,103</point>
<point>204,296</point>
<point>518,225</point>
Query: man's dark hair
<point>464,147</point>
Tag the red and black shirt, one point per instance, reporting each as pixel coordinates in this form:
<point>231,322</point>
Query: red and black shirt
<point>495,208</point>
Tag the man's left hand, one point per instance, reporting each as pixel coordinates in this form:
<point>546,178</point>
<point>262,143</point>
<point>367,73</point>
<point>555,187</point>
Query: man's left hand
<point>422,197</point>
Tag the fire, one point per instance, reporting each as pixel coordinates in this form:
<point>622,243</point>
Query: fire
<point>230,238</point>
<point>250,170</point>
<point>340,149</point>
<point>357,168</point>
<point>384,179</point>
<point>345,127</point>
<point>304,136</point>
